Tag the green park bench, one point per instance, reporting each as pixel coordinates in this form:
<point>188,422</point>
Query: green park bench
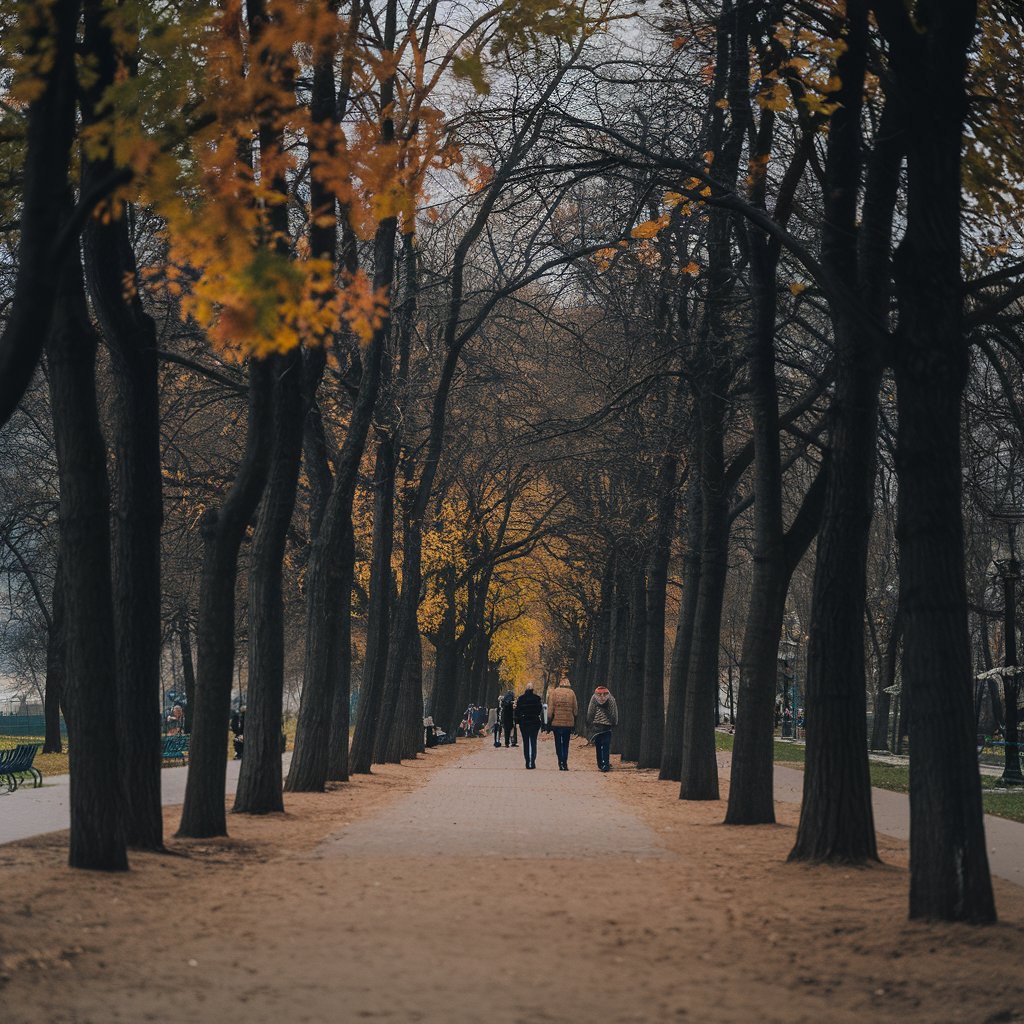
<point>175,749</point>
<point>16,764</point>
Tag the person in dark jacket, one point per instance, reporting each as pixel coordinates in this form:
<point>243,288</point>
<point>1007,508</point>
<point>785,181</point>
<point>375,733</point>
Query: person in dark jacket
<point>507,711</point>
<point>602,717</point>
<point>238,729</point>
<point>529,715</point>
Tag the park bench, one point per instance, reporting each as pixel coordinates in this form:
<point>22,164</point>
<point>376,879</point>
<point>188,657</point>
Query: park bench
<point>16,764</point>
<point>176,748</point>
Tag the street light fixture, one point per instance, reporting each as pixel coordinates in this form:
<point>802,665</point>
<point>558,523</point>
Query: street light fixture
<point>1008,509</point>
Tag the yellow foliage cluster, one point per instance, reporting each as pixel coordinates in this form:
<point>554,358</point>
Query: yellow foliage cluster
<point>650,228</point>
<point>444,554</point>
<point>205,175</point>
<point>993,175</point>
<point>811,60</point>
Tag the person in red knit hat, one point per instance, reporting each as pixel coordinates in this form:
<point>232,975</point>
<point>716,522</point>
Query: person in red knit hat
<point>602,717</point>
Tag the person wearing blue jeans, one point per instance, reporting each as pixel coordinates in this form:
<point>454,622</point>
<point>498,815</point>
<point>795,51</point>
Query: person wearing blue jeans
<point>562,711</point>
<point>602,717</point>
<point>529,715</point>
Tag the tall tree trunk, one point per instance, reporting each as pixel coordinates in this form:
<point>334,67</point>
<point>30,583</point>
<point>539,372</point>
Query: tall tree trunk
<point>652,731</point>
<point>97,824</point>
<point>836,822</point>
<point>393,733</point>
<point>405,622</point>
<point>751,797</point>
<point>329,577</point>
<point>341,705</point>
<point>188,670</point>
<point>44,228</point>
<point>600,666</point>
<point>713,364</point>
<point>880,726</point>
<point>131,337</point>
<point>413,700</point>
<point>949,873</point>
<point>751,793</point>
<point>56,659</point>
<point>321,738</point>
<point>404,633</point>
<point>633,693</point>
<point>378,615</point>
<point>444,695</point>
<point>222,530</point>
<point>699,764</point>
<point>672,752</point>
<point>618,643</point>
<point>259,780</point>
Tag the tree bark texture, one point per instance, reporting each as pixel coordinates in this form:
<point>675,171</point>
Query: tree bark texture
<point>378,614</point>
<point>751,792</point>
<point>618,642</point>
<point>699,765</point>
<point>949,873</point>
<point>45,215</point>
<point>633,692</point>
<point>188,669</point>
<point>672,751</point>
<point>130,334</point>
<point>329,576</point>
<point>444,695</point>
<point>56,660</point>
<point>405,630</point>
<point>836,822</point>
<point>652,730</point>
<point>97,822</point>
<point>713,369</point>
<point>341,706</point>
<point>259,780</point>
<point>222,530</point>
<point>883,705</point>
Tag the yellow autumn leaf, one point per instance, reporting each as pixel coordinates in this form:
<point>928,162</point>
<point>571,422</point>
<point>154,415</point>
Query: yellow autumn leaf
<point>650,228</point>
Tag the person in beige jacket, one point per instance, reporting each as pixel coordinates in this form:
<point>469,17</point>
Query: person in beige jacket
<point>562,712</point>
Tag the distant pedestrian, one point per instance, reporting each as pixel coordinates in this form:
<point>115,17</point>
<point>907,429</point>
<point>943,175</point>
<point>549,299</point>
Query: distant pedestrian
<point>507,709</point>
<point>562,711</point>
<point>479,719</point>
<point>238,729</point>
<point>529,714</point>
<point>496,726</point>
<point>602,717</point>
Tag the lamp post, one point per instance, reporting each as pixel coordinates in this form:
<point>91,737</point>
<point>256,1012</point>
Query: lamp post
<point>1008,570</point>
<point>1002,491</point>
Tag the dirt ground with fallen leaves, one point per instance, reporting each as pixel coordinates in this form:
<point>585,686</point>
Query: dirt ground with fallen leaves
<point>716,928</point>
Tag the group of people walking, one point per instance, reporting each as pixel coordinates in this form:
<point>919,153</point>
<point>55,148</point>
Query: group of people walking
<point>528,715</point>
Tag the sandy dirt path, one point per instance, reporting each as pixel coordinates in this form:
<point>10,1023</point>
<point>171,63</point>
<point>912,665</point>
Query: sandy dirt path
<point>462,888</point>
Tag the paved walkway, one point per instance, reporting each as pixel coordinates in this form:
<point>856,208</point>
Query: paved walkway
<point>575,820</point>
<point>32,812</point>
<point>1005,838</point>
<point>491,806</point>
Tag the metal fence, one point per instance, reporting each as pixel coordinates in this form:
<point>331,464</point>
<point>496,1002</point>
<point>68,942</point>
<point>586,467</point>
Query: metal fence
<point>26,725</point>
<point>20,716</point>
